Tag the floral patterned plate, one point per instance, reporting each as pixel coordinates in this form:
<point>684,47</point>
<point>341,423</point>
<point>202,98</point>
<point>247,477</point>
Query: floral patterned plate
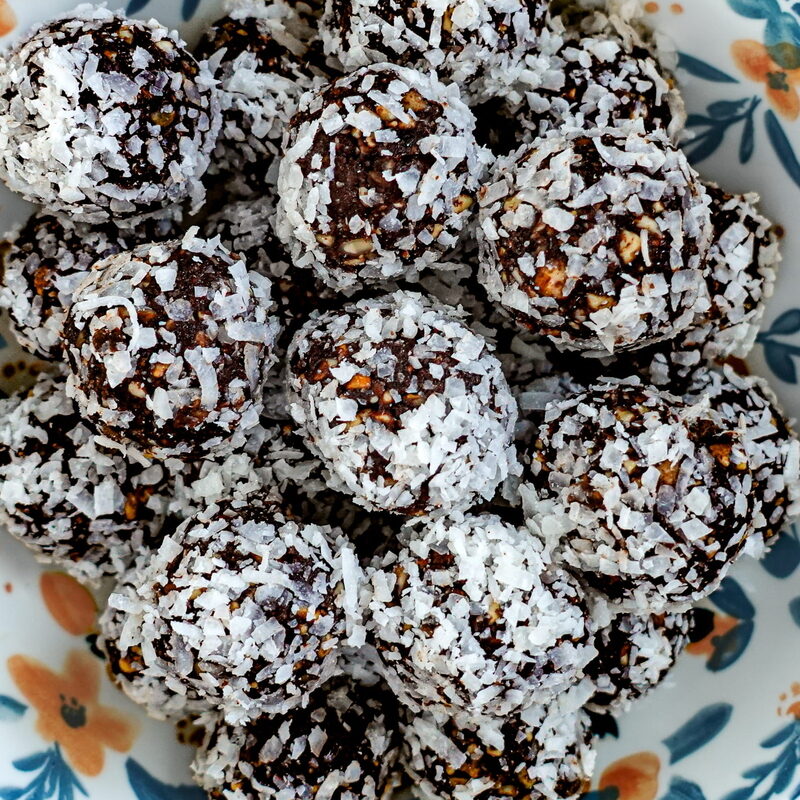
<point>727,724</point>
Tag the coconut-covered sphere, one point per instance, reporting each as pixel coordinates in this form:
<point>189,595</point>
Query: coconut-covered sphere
<point>240,610</point>
<point>46,258</point>
<point>379,176</point>
<point>598,242</point>
<point>652,497</point>
<point>342,746</point>
<point>169,346</point>
<point>747,404</point>
<point>551,759</point>
<point>635,653</point>
<point>105,117</point>
<point>262,73</point>
<point>461,40</point>
<point>470,616</point>
<point>406,407</point>
<point>83,508</point>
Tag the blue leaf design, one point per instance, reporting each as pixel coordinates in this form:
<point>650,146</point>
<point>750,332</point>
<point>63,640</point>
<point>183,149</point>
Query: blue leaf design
<point>757,773</point>
<point>783,735</point>
<point>740,794</point>
<point>729,647</point>
<point>784,557</point>
<point>9,793</point>
<point>698,120</point>
<point>794,610</point>
<point>787,323</point>
<point>784,775</point>
<point>681,789</point>
<point>31,763</point>
<point>755,9</point>
<point>136,5</point>
<point>782,38</point>
<point>782,146</point>
<point>146,787</point>
<point>189,8</point>
<point>779,360</point>
<point>698,731</point>
<point>701,69</point>
<point>11,709</point>
<point>722,109</point>
<point>706,144</point>
<point>747,144</point>
<point>731,599</point>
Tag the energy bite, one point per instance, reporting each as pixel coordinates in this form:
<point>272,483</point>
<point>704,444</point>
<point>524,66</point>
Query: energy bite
<point>551,758</point>
<point>83,508</point>
<point>104,117</point>
<point>379,176</point>
<point>635,653</point>
<point>45,259</point>
<point>649,498</point>
<point>407,408</point>
<point>461,41</point>
<point>597,241</point>
<point>342,746</point>
<point>470,617</point>
<point>262,73</point>
<point>240,609</point>
<point>169,346</point>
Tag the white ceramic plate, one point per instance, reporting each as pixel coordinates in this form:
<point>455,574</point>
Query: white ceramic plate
<point>727,724</point>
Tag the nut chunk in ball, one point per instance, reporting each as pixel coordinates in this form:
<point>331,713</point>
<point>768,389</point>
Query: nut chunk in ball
<point>598,242</point>
<point>461,41</point>
<point>379,176</point>
<point>169,346</point>
<point>342,746</point>
<point>549,758</point>
<point>76,505</point>
<point>105,117</point>
<point>652,495</point>
<point>240,610</point>
<point>407,408</point>
<point>469,616</point>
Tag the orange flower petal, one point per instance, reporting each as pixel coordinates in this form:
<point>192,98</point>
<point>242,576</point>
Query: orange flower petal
<point>40,685</point>
<point>786,103</point>
<point>8,19</point>
<point>113,728</point>
<point>705,647</point>
<point>85,753</point>
<point>70,604</point>
<point>82,674</point>
<point>753,59</point>
<point>635,777</point>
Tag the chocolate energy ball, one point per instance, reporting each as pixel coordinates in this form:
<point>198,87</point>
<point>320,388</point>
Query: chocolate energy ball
<point>407,408</point>
<point>104,117</point>
<point>240,610</point>
<point>597,241</point>
<point>460,41</point>
<point>651,497</point>
<point>747,404</point>
<point>470,617</point>
<point>84,508</point>
<point>342,746</point>
<point>169,346</point>
<point>262,72</point>
<point>636,652</point>
<point>379,176</point>
<point>44,261</point>
<point>552,759</point>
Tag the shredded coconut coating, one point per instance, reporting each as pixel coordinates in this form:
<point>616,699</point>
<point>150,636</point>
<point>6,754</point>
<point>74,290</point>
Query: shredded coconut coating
<point>262,72</point>
<point>636,653</point>
<point>407,408</point>
<point>597,241</point>
<point>105,117</point>
<point>76,505</point>
<point>343,746</point>
<point>240,610</point>
<point>43,262</point>
<point>469,616</point>
<point>379,176</point>
<point>461,41</point>
<point>649,499</point>
<point>169,346</point>
<point>550,759</point>
<point>747,404</point>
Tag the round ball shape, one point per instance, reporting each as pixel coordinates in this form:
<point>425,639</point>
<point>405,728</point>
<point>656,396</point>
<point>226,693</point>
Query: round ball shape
<point>406,407</point>
<point>104,117</point>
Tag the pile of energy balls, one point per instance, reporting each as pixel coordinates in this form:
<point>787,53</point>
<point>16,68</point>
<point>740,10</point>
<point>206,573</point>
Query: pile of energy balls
<point>391,380</point>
